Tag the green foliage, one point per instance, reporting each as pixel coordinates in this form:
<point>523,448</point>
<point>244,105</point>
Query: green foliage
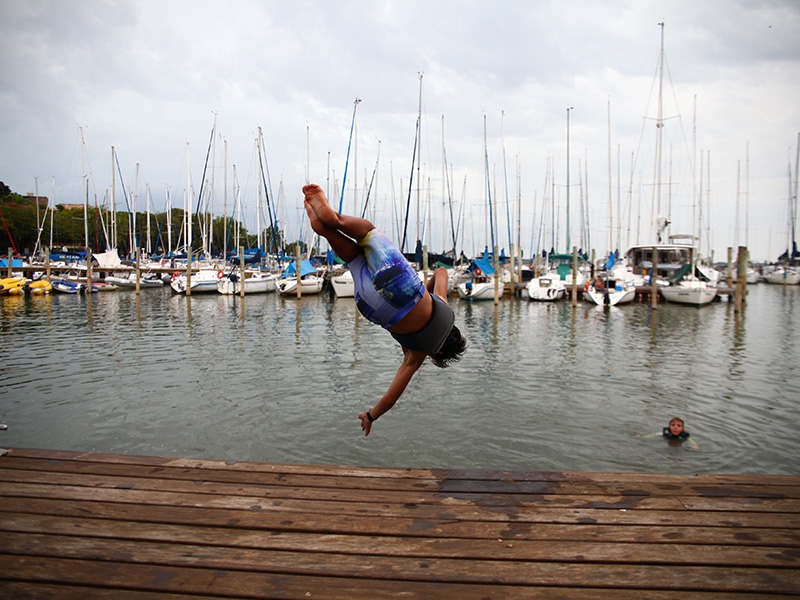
<point>19,214</point>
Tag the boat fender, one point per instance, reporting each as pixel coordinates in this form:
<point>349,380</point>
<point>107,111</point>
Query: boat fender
<point>175,275</point>
<point>220,274</point>
<point>478,271</point>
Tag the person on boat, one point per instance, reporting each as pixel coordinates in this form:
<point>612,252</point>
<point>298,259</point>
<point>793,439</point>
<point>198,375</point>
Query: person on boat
<point>389,292</point>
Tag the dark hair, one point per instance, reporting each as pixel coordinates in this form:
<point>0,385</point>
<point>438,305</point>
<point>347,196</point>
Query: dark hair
<point>454,346</point>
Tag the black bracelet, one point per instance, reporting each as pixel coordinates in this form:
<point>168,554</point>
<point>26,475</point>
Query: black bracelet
<point>370,417</point>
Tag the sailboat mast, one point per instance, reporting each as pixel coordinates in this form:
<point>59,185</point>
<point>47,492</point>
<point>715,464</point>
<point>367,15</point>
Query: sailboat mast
<point>419,151</point>
<point>168,194</point>
<point>113,199</point>
<point>610,194</point>
<point>505,177</point>
<point>569,108</point>
<point>86,193</point>
<point>793,214</point>
<point>656,211</point>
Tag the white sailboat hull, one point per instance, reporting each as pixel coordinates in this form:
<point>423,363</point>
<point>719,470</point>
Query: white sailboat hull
<point>784,277</point>
<point>343,285</point>
<point>545,289</point>
<point>308,285</point>
<point>204,281</point>
<point>612,298</point>
<point>696,293</point>
<point>471,290</point>
<point>256,283</point>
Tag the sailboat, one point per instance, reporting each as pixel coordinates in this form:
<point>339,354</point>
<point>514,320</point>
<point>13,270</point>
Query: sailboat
<point>681,277</point>
<point>788,273</point>
<point>617,287</point>
<point>255,281</point>
<point>481,285</point>
<point>310,281</point>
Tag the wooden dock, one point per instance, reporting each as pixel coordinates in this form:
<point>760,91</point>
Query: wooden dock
<point>93,525</point>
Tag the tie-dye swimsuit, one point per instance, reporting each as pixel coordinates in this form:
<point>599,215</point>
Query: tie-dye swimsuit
<point>386,286</point>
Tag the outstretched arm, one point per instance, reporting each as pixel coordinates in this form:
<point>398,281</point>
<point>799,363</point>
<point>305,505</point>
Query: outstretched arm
<point>412,361</point>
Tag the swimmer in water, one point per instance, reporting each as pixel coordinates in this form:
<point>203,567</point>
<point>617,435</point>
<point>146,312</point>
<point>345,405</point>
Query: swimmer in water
<point>675,433</point>
<point>389,292</point>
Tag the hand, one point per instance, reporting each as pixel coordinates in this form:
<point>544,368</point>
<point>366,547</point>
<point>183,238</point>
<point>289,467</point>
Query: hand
<point>366,424</point>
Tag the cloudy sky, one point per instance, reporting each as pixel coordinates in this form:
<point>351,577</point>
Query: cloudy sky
<point>150,78</point>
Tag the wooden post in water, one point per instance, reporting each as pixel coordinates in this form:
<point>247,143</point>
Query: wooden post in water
<point>513,259</point>
<point>496,266</point>
<point>10,258</point>
<point>741,279</point>
<point>654,280</point>
<point>425,265</point>
<point>47,262</point>
<point>299,259</point>
<point>241,271</point>
<point>138,269</point>
<point>189,271</point>
<point>574,276</point>
<point>730,267</point>
<point>88,271</point>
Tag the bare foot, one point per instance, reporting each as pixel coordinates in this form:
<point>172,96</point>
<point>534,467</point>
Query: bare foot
<point>316,200</point>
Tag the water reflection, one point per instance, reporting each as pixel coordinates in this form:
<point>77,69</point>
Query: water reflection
<point>542,386</point>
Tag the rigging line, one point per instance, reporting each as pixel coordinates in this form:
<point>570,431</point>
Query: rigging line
<point>131,218</point>
<point>265,180</point>
<point>347,159</point>
<point>369,188</point>
<point>410,183</point>
<point>205,167</point>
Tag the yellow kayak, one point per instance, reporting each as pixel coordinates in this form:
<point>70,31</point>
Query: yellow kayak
<point>11,283</point>
<point>40,287</point>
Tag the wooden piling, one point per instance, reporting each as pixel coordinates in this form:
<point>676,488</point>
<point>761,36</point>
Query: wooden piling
<point>10,258</point>
<point>497,275</point>
<point>138,269</point>
<point>741,278</point>
<point>89,271</point>
<point>574,276</point>
<point>189,271</point>
<point>241,271</point>
<point>730,267</point>
<point>654,280</point>
<point>298,258</point>
<point>425,265</point>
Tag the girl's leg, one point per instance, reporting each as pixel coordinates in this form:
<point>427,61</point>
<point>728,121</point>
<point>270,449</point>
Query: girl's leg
<point>344,247</point>
<point>315,200</point>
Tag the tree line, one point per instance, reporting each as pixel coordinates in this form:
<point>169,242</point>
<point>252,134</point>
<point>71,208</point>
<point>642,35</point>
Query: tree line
<point>26,219</point>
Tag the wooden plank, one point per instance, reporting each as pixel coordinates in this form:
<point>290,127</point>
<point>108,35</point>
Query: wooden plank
<point>579,573</point>
<point>754,531</point>
<point>713,554</point>
<point>240,584</point>
<point>155,526</point>
<point>400,473</point>
<point>136,475</point>
<point>360,502</point>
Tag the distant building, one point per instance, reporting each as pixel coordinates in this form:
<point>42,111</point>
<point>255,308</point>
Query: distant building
<point>42,200</point>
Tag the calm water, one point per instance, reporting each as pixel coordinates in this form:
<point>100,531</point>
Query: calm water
<point>542,387</point>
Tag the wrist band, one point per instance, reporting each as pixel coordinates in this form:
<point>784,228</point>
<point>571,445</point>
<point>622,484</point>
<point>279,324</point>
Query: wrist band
<point>370,417</point>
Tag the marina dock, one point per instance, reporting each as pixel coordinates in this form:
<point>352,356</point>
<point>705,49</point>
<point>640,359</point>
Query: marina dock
<point>90,525</point>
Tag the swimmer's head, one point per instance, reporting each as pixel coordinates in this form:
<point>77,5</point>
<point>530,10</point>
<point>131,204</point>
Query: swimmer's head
<point>454,346</point>
<point>676,426</point>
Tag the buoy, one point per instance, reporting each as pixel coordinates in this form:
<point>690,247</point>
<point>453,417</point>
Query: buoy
<point>478,271</point>
<point>175,275</point>
<point>220,274</point>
